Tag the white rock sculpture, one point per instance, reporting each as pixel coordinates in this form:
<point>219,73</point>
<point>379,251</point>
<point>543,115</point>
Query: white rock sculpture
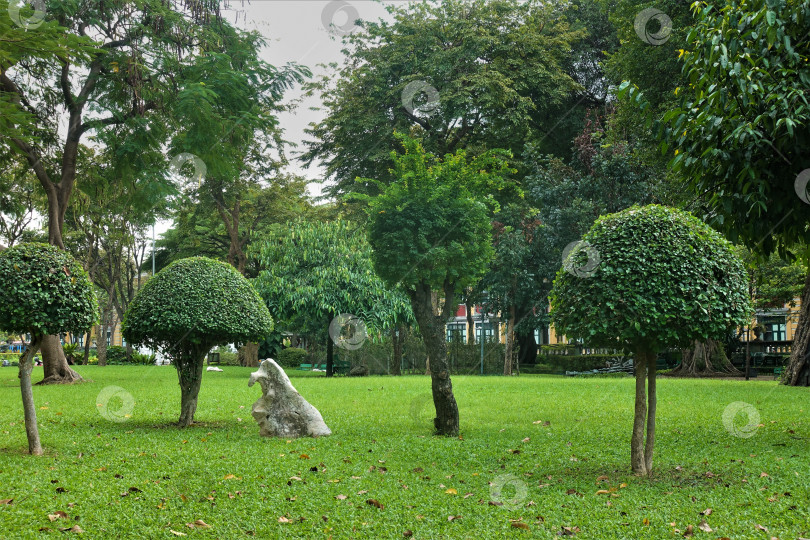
<point>281,411</point>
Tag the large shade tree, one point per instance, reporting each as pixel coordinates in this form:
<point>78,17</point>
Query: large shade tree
<point>189,307</point>
<point>42,291</point>
<point>432,237</point>
<point>741,134</point>
<point>664,279</point>
<point>313,272</point>
<point>109,70</point>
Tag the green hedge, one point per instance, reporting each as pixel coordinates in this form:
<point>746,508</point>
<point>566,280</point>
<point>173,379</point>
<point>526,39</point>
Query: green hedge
<point>292,357</point>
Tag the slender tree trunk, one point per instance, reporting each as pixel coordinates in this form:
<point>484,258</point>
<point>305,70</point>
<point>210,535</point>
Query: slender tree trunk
<point>29,410</point>
<point>101,343</point>
<point>797,372</point>
<point>510,342</point>
<point>432,328</point>
<point>397,339</point>
<point>56,370</point>
<point>86,357</point>
<point>330,355</point>
<point>189,372</point>
<point>470,322</point>
<point>651,401</point>
<point>527,348</point>
<point>637,441</point>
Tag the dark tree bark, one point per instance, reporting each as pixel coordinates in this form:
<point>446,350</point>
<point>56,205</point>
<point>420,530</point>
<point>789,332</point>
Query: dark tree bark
<point>527,348</point>
<point>705,358</point>
<point>29,410</point>
<point>101,343</point>
<point>432,328</point>
<point>330,355</point>
<point>508,361</point>
<point>86,357</point>
<point>398,340</point>
<point>797,372</point>
<point>189,373</point>
<point>641,451</point>
<point>470,324</point>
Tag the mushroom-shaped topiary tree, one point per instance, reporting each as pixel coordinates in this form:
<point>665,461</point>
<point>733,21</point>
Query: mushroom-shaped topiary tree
<point>645,279</point>
<point>188,307</point>
<point>43,291</point>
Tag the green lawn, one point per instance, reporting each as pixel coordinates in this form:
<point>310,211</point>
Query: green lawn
<point>143,477</point>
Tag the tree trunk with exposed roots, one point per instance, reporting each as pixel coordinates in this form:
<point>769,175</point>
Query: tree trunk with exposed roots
<point>249,355</point>
<point>55,366</point>
<point>797,372</point>
<point>641,450</point>
<point>432,328</point>
<point>705,358</point>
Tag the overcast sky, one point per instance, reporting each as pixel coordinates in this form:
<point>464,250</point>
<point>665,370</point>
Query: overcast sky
<point>299,31</point>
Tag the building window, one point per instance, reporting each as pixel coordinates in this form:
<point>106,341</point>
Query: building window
<point>109,337</point>
<point>775,328</point>
<point>457,332</point>
<point>489,332</point>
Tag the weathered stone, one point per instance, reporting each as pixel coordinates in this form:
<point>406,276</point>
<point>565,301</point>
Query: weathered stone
<point>281,411</point>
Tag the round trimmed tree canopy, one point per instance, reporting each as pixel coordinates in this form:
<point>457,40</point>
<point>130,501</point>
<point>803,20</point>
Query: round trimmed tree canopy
<point>43,290</point>
<point>650,276</point>
<point>198,301</point>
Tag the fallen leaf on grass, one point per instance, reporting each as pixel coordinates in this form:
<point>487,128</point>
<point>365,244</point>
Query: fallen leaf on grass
<point>703,526</point>
<point>453,518</point>
<point>526,439</point>
<point>689,532</point>
<point>452,491</point>
<point>602,492</point>
<point>177,533</point>
<point>282,519</point>
<point>760,528</point>
<point>602,478</point>
<point>6,501</point>
<point>376,503</point>
<point>341,497</point>
<point>56,515</point>
<point>303,456</point>
<point>707,512</point>
<point>408,533</point>
<point>763,475</point>
<point>569,531</point>
<point>74,529</point>
<point>198,524</point>
<point>520,525</point>
<point>233,476</point>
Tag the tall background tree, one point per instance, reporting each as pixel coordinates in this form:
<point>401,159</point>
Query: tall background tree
<point>113,68</point>
<point>430,232</point>
<point>313,272</point>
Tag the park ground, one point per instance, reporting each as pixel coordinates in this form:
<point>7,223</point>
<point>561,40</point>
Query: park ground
<point>559,448</point>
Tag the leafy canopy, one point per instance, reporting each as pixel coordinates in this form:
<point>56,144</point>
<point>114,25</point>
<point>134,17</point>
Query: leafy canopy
<point>196,301</point>
<point>314,271</point>
<point>432,225</point>
<point>44,290</point>
<point>664,279</point>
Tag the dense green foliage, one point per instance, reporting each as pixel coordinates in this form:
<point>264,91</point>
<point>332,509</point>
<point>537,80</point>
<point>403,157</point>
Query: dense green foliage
<point>292,357</point>
<point>44,291</point>
<point>458,75</point>
<point>178,481</point>
<point>741,131</point>
<point>432,225</point>
<point>313,271</point>
<point>664,278</point>
<point>196,301</point>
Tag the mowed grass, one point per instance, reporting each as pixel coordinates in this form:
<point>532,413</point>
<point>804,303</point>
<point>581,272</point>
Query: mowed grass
<point>552,442</point>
